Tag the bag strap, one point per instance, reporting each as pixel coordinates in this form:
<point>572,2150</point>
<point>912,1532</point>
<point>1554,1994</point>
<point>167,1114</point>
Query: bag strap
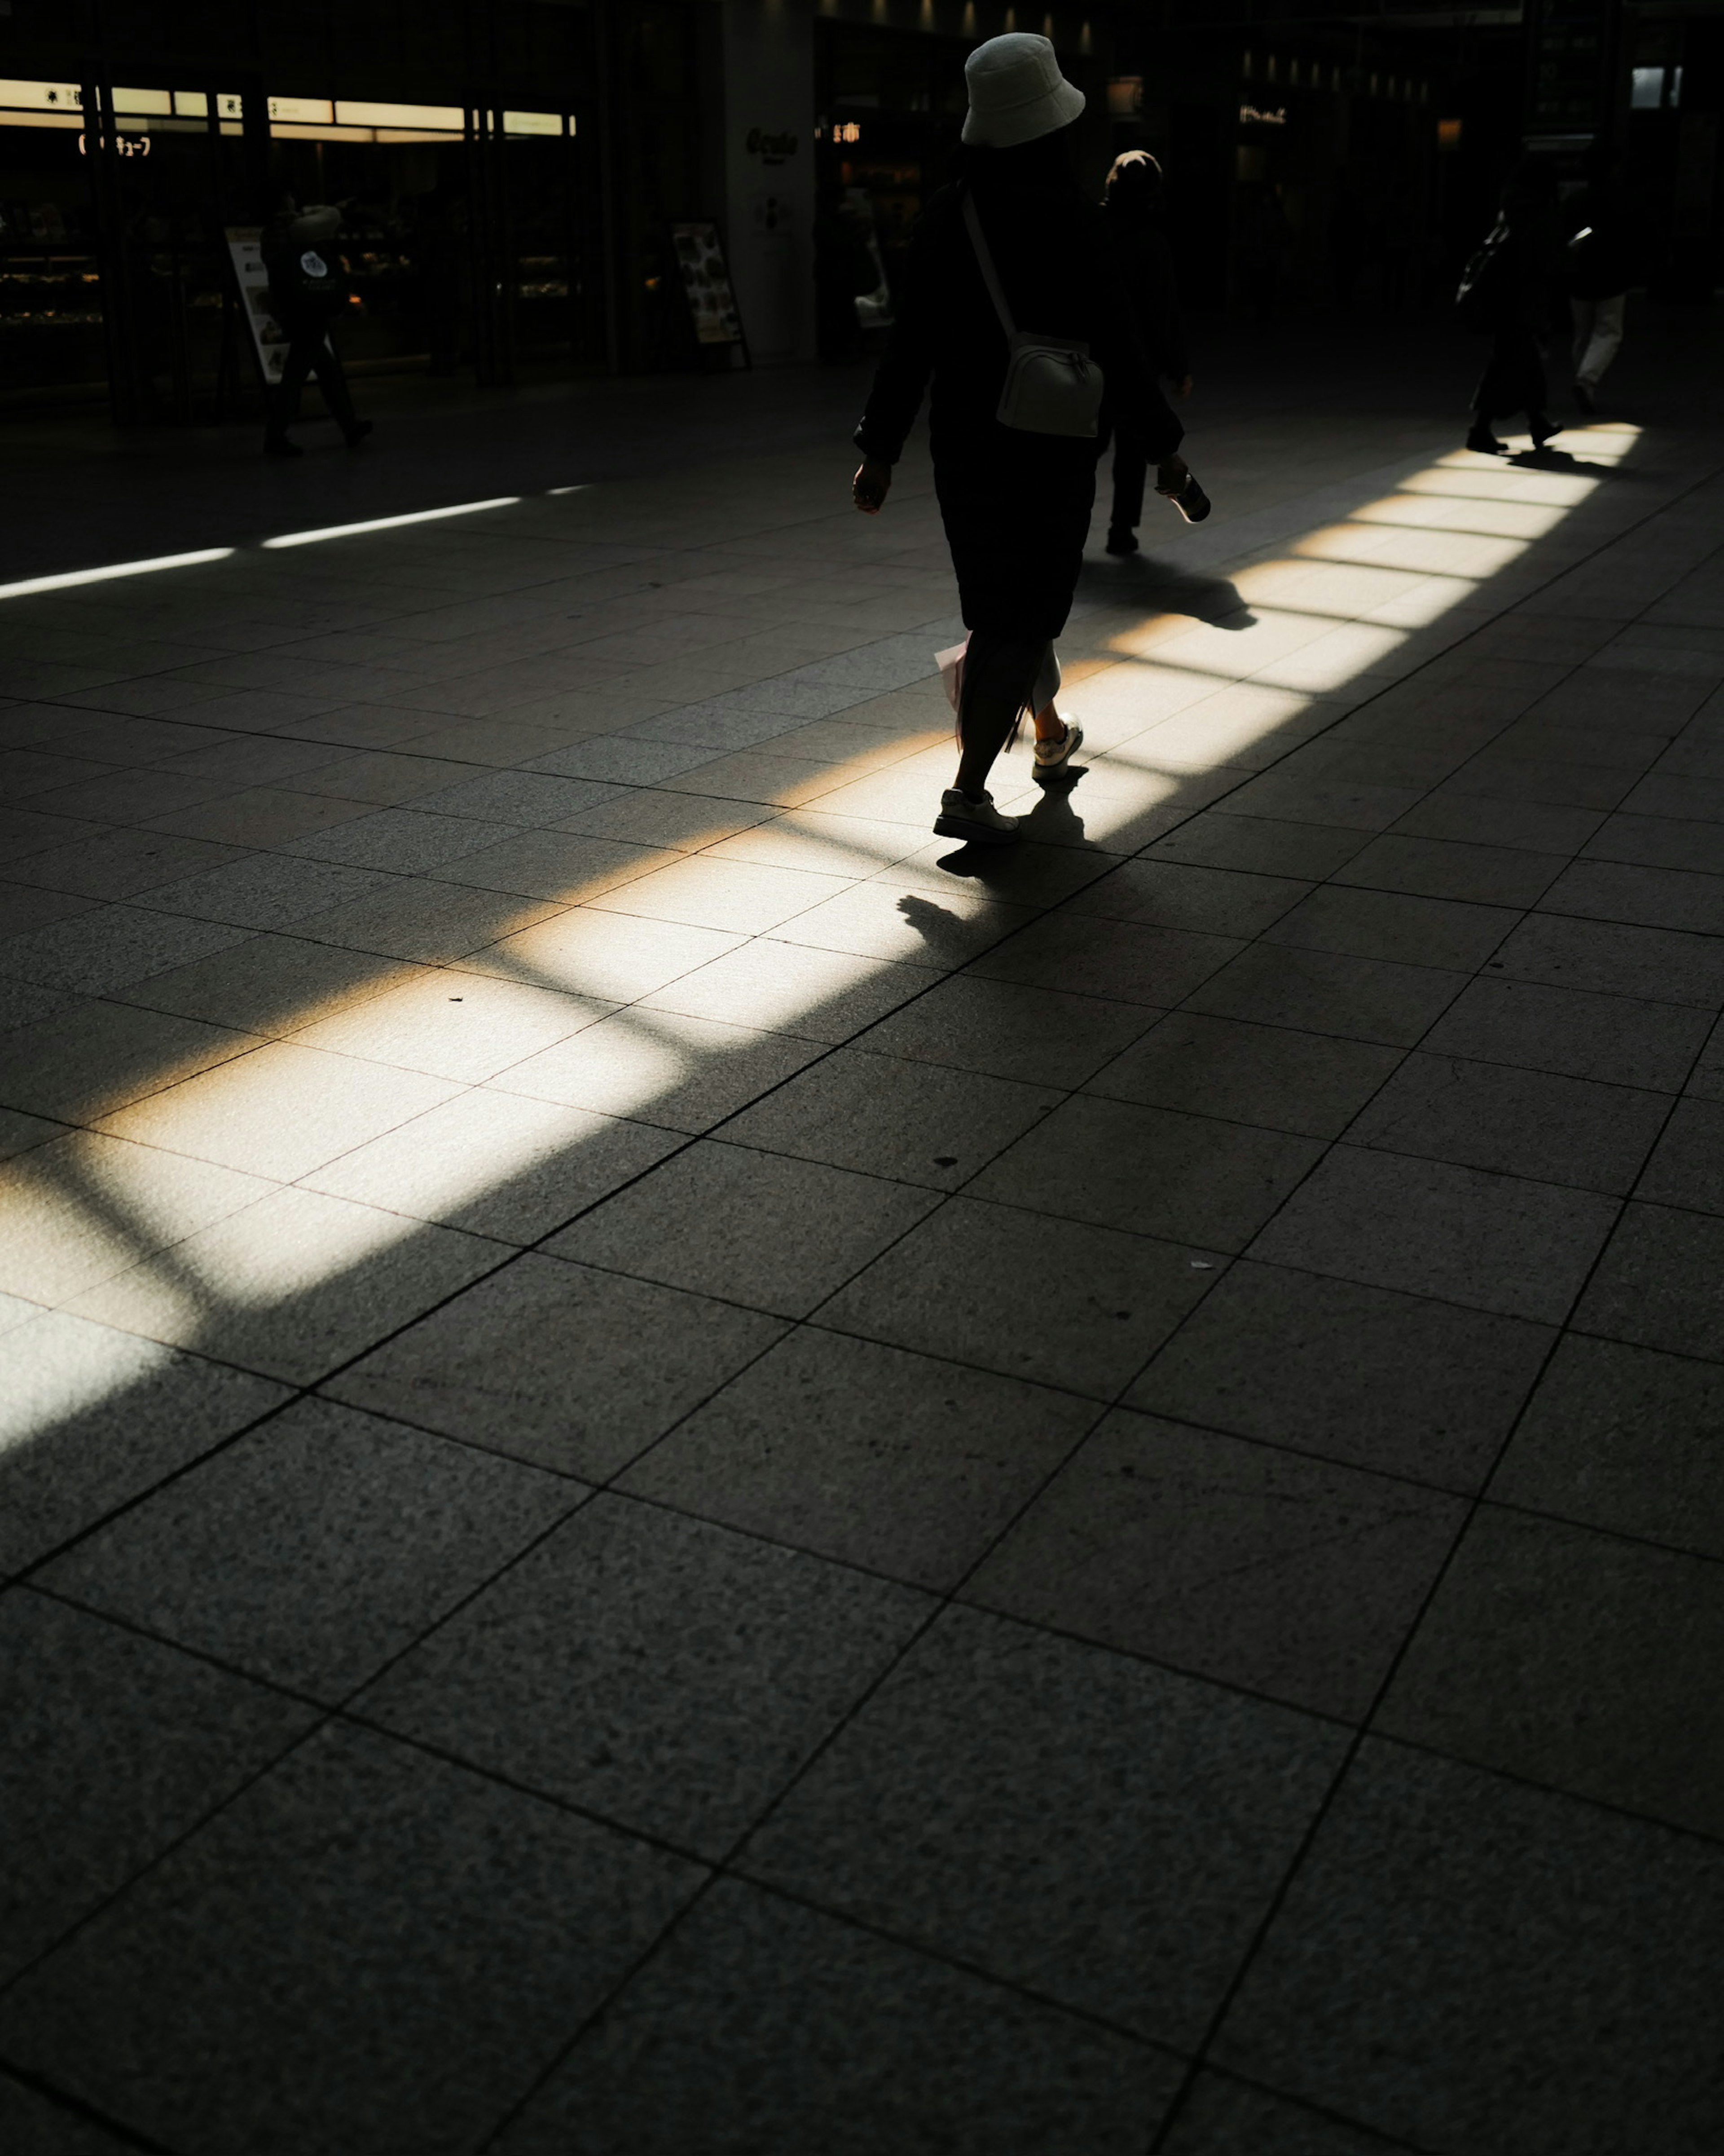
<point>990,276</point>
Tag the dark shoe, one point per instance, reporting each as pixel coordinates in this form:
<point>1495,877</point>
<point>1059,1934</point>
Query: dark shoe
<point>1120,540</point>
<point>1584,398</point>
<point>1485,443</point>
<point>976,823</point>
<point>357,432</point>
<point>1542,428</point>
<point>278,445</point>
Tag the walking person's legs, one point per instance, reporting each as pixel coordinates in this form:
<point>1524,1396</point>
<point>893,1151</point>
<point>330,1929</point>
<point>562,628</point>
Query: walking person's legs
<point>1000,674</point>
<point>281,404</point>
<point>1131,464</point>
<point>332,381</point>
<point>1602,343</point>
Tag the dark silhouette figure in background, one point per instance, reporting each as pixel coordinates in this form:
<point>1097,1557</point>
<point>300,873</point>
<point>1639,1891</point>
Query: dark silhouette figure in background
<point>845,268</point>
<point>308,290</point>
<point>1144,264</point>
<point>1600,269</point>
<point>1510,290</point>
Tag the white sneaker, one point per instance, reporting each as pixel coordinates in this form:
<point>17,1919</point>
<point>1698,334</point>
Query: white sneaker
<point>976,823</point>
<point>1054,755</point>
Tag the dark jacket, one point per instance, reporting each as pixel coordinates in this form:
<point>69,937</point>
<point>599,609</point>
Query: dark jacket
<point>308,285</point>
<point>1599,264</point>
<point>1051,252</point>
<point>1143,267</point>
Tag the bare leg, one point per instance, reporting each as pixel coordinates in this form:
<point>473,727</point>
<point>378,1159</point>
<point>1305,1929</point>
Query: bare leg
<point>999,673</point>
<point>1049,724</point>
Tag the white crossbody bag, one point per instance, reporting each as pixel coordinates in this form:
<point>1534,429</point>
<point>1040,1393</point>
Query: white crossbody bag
<point>1052,386</point>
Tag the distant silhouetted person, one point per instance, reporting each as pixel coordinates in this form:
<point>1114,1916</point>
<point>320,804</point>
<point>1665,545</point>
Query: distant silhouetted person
<point>1509,291</point>
<point>1143,262</point>
<point>1599,267</point>
<point>845,268</point>
<point>308,290</point>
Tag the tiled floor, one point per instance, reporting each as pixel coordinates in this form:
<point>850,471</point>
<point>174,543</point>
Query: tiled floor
<point>684,1473</point>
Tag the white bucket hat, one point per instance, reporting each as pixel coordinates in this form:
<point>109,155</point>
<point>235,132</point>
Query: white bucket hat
<point>1017,92</point>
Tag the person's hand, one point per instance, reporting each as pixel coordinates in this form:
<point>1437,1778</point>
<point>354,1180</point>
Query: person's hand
<point>870,486</point>
<point>1182,386</point>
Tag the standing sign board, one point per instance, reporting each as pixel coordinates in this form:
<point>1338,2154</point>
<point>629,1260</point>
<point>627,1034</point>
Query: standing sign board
<point>706,283</point>
<point>245,245</point>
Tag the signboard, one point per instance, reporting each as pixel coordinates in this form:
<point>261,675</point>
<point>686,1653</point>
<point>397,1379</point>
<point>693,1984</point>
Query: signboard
<point>246,246</point>
<point>706,283</point>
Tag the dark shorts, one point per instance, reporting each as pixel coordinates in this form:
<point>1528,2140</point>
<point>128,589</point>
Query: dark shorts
<point>1016,509</point>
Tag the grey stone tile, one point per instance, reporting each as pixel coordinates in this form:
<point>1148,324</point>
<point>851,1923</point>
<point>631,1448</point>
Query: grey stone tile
<point>1310,1083</point>
<point>91,1418</point>
<point>90,1058</point>
<point>558,1364</point>
<point>539,797</point>
<point>1687,1165</point>
<point>403,841</point>
<point>1392,925</point>
<point>1653,897</point>
<point>1476,1965</point>
<point>1125,960</point>
<point>497,1164</point>
<point>32,2124</point>
<point>368,1949</point>
<point>1493,1242</point>
<point>1358,1373</point>
<point>1616,960</point>
<point>619,761</point>
<point>866,1453</point>
<point>1287,1575</point>
<point>1449,868</point>
<point>271,984</point>
<point>432,923</point>
<point>882,1115</point>
<point>116,1746</point>
<point>1300,797</point>
<point>109,948</point>
<point>654,1668</point>
<point>1577,1659</point>
<point>316,1548</point>
<point>1041,1036</point>
<point>1328,992</point>
<point>757,1228</point>
<point>1662,842</point>
<point>762,2026</point>
<point>1224,2117</point>
<point>1526,1122</point>
<point>1620,1040</point>
<point>270,891</point>
<point>1657,1283</point>
<point>1258,843</point>
<point>1172,894</point>
<point>1189,1179</point>
<point>1178,1807</point>
<point>1049,1299</point>
<point>293,1285</point>
<point>120,863</point>
<point>1623,1438</point>
<point>23,1133</point>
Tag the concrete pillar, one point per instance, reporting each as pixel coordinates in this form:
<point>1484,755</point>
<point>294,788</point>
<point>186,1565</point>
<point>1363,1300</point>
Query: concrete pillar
<point>769,173</point>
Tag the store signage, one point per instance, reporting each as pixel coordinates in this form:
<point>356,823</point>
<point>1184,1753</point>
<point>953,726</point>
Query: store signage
<point>1257,117</point>
<point>772,149</point>
<point>124,146</point>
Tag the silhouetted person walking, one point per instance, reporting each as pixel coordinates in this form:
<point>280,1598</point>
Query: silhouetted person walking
<point>1015,410</point>
<point>308,290</point>
<point>1508,290</point>
<point>1144,263</point>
